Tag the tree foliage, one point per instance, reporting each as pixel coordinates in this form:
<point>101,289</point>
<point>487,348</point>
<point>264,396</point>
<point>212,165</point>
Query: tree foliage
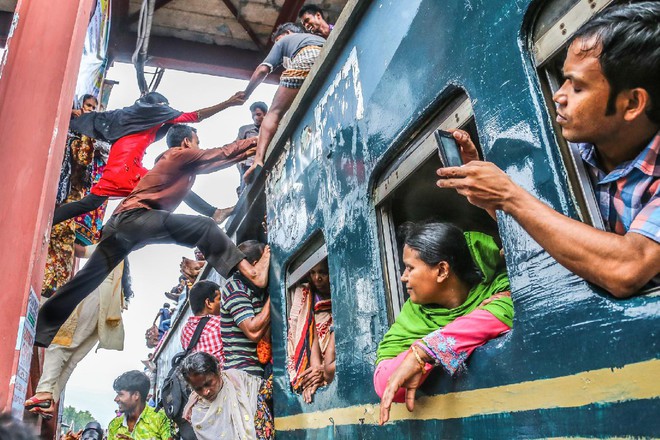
<point>76,419</point>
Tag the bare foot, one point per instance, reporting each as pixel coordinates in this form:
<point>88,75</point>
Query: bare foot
<point>221,214</point>
<point>257,274</point>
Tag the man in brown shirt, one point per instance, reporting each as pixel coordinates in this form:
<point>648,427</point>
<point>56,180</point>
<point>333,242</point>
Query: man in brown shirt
<point>145,217</point>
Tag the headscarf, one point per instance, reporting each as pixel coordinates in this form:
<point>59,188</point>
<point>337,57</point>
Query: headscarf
<point>417,320</point>
<point>109,126</point>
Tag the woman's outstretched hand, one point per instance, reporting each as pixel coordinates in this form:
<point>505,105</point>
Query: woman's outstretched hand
<point>407,375</point>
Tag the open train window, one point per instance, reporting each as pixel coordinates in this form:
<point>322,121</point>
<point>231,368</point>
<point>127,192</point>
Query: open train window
<point>553,27</point>
<point>407,191</point>
<point>310,329</point>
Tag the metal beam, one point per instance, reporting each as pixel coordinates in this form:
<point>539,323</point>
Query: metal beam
<point>289,12</point>
<point>245,24</point>
<point>135,16</point>
<point>189,56</point>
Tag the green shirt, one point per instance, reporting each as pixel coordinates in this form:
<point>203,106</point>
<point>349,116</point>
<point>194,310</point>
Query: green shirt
<point>151,425</point>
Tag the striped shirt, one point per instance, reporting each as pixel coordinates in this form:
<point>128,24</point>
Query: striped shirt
<point>210,341</point>
<point>629,196</point>
<point>240,300</point>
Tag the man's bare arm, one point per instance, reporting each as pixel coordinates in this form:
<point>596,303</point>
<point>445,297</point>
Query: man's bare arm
<point>207,112</point>
<point>621,264</point>
<point>258,76</point>
<point>258,325</point>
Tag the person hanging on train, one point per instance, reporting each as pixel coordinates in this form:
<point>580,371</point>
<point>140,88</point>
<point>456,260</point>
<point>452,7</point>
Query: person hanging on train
<point>311,338</point>
<point>245,316</point>
<point>459,300</point>
<point>221,402</point>
<point>298,52</point>
<point>131,131</point>
<point>609,104</point>
<point>145,217</point>
<point>258,111</point>
<point>313,20</point>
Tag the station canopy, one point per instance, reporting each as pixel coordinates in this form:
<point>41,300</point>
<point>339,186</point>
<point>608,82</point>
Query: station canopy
<point>217,37</point>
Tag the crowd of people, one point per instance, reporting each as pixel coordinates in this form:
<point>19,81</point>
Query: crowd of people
<point>458,287</point>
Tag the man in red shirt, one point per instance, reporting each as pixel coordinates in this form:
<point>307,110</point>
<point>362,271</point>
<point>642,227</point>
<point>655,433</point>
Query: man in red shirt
<point>131,130</point>
<point>205,301</point>
<point>145,217</point>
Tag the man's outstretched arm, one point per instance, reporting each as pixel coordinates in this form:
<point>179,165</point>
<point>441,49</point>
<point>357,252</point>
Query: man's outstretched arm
<point>207,112</point>
<point>621,264</point>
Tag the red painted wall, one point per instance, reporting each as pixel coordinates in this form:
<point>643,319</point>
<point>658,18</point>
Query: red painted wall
<point>37,84</point>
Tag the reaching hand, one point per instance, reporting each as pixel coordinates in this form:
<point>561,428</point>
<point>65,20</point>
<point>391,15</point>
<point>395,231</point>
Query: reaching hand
<point>468,150</point>
<point>237,98</point>
<point>407,375</point>
<point>247,177</point>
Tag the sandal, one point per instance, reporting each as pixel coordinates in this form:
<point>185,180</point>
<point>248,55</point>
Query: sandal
<point>45,415</point>
<point>38,403</point>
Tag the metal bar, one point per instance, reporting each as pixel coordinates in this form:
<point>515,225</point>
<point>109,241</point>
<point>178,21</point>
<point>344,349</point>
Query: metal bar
<point>289,12</point>
<point>134,17</point>
<point>245,24</point>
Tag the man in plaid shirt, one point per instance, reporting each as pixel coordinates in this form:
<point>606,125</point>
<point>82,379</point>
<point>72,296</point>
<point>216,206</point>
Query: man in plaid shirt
<point>205,301</point>
<point>610,104</point>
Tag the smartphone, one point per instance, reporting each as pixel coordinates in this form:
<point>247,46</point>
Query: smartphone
<point>448,149</point>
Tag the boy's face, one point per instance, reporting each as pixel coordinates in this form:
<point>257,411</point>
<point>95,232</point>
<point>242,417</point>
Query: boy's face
<point>582,98</point>
<point>89,105</point>
<point>258,116</point>
<point>312,22</point>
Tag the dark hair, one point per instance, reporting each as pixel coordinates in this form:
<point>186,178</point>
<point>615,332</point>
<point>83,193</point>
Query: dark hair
<point>93,427</point>
<point>259,104</point>
<point>436,242</point>
<point>284,27</point>
<point>252,249</point>
<point>87,96</point>
<point>200,292</point>
<point>199,363</point>
<point>311,9</point>
<point>133,381</point>
<point>11,428</point>
<point>154,98</point>
<point>177,133</point>
<point>628,38</point>
<point>166,305</point>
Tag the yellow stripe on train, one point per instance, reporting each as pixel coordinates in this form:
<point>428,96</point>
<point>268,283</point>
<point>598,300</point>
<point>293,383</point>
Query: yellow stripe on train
<point>630,382</point>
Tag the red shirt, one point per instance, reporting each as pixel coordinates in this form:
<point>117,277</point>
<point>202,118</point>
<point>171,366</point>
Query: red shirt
<point>124,168</point>
<point>210,341</point>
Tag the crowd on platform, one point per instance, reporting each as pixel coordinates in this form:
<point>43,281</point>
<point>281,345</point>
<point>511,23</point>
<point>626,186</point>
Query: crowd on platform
<point>458,287</point>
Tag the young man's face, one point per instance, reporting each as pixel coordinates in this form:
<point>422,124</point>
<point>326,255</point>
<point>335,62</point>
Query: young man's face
<point>582,99</point>
<point>214,306</point>
<point>312,22</point>
<point>127,401</point>
<point>89,105</point>
<point>193,143</point>
<point>258,116</point>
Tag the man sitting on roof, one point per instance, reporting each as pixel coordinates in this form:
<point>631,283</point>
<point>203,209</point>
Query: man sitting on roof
<point>313,20</point>
<point>297,51</point>
<point>146,217</point>
<point>610,104</point>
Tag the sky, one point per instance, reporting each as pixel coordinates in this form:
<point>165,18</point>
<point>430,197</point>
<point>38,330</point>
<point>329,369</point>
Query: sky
<point>155,268</point>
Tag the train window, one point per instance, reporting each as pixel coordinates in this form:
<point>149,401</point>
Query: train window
<point>310,330</point>
<point>553,27</point>
<point>407,192</point>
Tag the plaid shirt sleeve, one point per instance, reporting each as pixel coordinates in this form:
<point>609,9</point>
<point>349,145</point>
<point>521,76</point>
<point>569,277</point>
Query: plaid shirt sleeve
<point>647,221</point>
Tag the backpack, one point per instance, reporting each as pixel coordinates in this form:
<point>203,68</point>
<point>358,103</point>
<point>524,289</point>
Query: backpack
<point>175,391</point>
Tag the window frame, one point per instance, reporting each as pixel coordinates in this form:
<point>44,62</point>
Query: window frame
<point>544,48</point>
<point>457,112</point>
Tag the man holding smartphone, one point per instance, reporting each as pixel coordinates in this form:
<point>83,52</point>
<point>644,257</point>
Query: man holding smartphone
<point>610,105</point>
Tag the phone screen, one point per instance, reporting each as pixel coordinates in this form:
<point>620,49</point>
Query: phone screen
<point>448,149</point>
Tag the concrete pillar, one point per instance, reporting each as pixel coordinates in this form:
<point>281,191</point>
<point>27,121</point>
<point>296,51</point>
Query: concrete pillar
<point>37,83</point>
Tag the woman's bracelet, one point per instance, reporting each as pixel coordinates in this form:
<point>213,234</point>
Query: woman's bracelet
<point>420,362</point>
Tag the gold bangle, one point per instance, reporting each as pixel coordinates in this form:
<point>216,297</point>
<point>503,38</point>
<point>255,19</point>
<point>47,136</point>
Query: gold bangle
<point>420,362</point>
